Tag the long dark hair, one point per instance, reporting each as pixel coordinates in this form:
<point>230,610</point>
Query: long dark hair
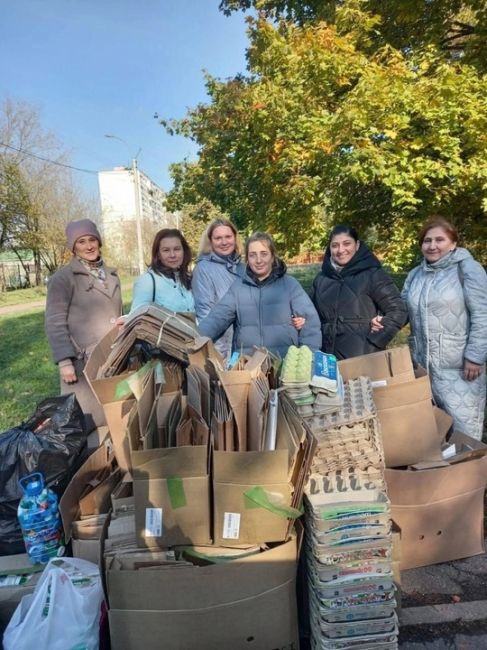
<point>160,269</point>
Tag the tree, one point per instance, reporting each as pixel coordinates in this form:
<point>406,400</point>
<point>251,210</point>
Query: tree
<point>322,131</point>
<point>37,196</point>
<point>457,27</point>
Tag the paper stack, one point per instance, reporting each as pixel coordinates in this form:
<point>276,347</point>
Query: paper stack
<point>348,531</point>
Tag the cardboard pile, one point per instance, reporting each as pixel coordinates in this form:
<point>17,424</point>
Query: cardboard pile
<point>435,487</point>
<point>192,439</point>
<point>348,525</point>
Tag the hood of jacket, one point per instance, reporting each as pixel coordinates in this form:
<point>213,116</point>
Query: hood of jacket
<point>362,260</point>
<point>278,270</point>
<point>231,262</point>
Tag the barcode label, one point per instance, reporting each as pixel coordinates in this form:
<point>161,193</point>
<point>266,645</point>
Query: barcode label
<point>231,525</point>
<point>153,522</point>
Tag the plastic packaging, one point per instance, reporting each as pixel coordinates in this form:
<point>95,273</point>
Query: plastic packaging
<point>63,613</point>
<point>39,519</point>
<point>50,442</point>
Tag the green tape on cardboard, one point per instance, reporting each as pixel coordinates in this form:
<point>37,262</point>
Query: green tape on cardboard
<point>258,497</point>
<point>123,388</point>
<point>177,496</point>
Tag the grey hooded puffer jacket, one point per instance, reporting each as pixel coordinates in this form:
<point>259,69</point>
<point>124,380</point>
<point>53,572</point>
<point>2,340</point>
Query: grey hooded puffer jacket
<point>447,304</point>
<point>261,314</point>
<point>212,277</point>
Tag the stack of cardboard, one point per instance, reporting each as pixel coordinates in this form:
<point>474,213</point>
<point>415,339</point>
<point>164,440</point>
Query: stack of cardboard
<point>193,443</point>
<point>348,525</point>
<point>436,487</point>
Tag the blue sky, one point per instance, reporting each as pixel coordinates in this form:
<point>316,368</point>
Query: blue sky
<point>106,66</point>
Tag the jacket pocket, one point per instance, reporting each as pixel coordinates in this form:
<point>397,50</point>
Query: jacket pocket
<point>452,348</point>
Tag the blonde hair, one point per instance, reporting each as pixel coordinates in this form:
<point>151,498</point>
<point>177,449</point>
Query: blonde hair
<point>205,241</point>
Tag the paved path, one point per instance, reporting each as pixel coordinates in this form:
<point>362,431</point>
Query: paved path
<point>37,304</point>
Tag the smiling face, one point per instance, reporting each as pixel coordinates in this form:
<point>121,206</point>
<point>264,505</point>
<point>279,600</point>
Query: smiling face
<point>223,240</point>
<point>87,247</point>
<point>260,259</point>
<point>342,248</point>
<point>171,253</point>
<point>436,244</point>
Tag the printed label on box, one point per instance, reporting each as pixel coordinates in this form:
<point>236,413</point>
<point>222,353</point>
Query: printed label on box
<point>153,522</point>
<point>231,525</point>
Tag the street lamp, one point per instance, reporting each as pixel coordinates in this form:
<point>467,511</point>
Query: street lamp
<point>138,211</point>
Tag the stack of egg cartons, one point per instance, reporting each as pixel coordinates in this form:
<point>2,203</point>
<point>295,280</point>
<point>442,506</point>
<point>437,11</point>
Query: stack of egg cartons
<point>312,381</point>
<point>348,530</point>
<point>296,373</point>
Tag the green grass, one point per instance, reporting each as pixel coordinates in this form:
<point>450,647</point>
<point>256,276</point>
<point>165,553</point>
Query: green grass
<point>28,374</point>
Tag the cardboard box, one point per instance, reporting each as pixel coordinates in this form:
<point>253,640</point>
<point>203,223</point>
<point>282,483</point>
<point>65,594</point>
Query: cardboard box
<point>440,511</point>
<point>16,566</point>
<point>172,496</point>
<point>94,502</point>
<point>105,389</point>
<point>239,520</point>
<point>404,405</point>
<point>248,602</point>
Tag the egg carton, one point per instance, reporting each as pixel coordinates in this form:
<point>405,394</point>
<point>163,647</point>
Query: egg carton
<point>347,629</point>
<point>384,641</point>
<point>338,488</point>
<point>358,404</point>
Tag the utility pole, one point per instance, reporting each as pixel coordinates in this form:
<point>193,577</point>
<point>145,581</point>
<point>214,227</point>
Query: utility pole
<point>138,215</point>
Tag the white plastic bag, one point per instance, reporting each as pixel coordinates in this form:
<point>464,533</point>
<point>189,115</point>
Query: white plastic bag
<point>63,613</point>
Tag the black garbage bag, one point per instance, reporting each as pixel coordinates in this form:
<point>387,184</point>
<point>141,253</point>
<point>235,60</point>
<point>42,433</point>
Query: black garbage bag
<point>50,442</point>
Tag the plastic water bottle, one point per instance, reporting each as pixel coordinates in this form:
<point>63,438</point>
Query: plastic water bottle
<point>39,519</point>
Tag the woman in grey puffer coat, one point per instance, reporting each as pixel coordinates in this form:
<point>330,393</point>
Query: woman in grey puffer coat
<point>217,267</point>
<point>266,307</point>
<point>447,303</point>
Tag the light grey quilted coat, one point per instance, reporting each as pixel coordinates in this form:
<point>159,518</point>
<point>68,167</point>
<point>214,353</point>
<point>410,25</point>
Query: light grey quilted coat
<point>447,304</point>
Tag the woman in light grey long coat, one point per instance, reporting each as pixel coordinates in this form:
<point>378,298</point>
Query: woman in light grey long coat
<point>83,303</point>
<point>446,297</point>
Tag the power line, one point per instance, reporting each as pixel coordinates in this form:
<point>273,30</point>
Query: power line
<point>52,162</point>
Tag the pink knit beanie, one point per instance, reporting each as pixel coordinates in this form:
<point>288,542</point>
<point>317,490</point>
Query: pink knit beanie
<point>80,228</point>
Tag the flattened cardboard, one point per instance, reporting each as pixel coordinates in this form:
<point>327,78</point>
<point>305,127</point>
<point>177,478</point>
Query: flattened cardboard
<point>440,511</point>
<point>11,596</point>
<point>409,428</point>
<point>233,474</point>
<point>154,472</point>
<point>408,424</point>
<point>393,365</point>
<point>69,502</point>
<point>250,601</point>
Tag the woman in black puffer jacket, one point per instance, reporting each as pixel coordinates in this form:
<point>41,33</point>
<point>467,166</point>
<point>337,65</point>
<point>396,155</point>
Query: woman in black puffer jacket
<point>359,306</point>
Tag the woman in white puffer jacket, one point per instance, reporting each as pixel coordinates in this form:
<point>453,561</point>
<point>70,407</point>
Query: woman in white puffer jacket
<point>446,297</point>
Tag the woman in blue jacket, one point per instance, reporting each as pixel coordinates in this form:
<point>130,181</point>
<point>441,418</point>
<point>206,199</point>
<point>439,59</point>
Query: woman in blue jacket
<point>217,267</point>
<point>168,280</point>
<point>263,305</point>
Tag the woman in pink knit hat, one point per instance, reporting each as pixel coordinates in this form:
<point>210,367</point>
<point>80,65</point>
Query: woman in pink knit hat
<point>83,303</point>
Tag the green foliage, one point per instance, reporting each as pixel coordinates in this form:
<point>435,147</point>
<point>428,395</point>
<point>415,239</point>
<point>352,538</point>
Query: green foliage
<point>457,27</point>
<point>324,129</point>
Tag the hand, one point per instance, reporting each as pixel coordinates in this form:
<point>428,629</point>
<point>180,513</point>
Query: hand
<point>68,374</point>
<point>471,370</point>
<point>376,325</point>
<point>298,322</point>
<point>120,322</point>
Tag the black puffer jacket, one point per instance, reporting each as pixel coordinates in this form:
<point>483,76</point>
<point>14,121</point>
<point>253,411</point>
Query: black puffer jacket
<point>347,300</point>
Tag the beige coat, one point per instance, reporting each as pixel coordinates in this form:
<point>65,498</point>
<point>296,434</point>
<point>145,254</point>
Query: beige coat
<point>80,310</point>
